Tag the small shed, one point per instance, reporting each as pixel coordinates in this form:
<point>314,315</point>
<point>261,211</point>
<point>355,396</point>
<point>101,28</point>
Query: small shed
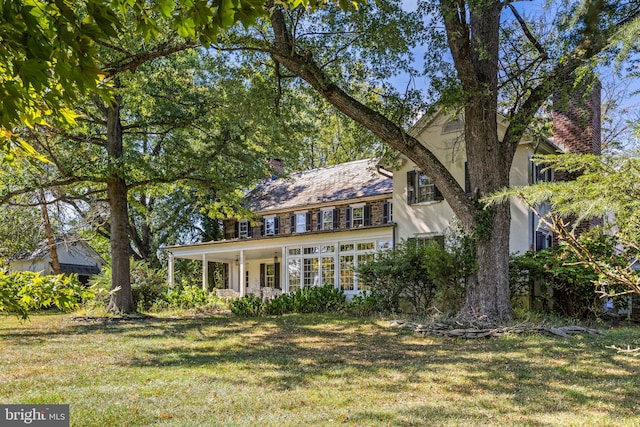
<point>74,255</point>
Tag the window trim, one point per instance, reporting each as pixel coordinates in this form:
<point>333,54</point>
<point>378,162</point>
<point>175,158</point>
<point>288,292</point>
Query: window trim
<point>357,220</point>
<point>243,234</point>
<point>413,188</point>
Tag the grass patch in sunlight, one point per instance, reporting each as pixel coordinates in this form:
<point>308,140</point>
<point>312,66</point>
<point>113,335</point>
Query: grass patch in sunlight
<point>312,370</point>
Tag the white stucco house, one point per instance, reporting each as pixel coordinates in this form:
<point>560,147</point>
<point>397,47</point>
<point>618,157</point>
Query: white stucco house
<point>74,255</point>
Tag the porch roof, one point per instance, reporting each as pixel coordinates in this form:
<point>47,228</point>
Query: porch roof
<point>266,247</point>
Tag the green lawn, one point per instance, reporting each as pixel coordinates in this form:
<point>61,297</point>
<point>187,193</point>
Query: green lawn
<point>312,370</point>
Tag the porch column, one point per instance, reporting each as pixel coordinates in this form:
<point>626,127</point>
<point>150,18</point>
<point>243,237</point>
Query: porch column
<point>170,270</point>
<point>241,286</point>
<point>205,272</point>
<point>284,271</point>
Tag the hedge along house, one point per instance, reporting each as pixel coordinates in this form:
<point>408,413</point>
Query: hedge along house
<point>311,228</point>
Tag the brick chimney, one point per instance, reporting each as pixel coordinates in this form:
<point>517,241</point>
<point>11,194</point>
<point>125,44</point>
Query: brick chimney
<point>576,118</point>
<point>277,167</point>
<point>576,127</point>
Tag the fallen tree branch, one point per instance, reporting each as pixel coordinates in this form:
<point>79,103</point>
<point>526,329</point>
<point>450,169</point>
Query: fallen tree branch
<point>443,330</point>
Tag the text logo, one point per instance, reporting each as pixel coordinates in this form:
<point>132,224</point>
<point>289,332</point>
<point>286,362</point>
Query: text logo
<point>34,415</point>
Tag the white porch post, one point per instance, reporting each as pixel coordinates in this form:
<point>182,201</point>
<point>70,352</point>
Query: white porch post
<point>241,286</point>
<point>170,270</point>
<point>205,272</point>
<point>284,279</point>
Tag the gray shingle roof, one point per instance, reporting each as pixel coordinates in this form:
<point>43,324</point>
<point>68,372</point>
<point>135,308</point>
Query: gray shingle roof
<point>330,184</point>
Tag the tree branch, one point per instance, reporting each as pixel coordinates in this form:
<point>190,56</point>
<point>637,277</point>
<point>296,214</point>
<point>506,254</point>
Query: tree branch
<point>303,65</point>
<point>132,62</point>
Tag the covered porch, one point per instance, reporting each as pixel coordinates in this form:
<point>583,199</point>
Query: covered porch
<point>273,265</point>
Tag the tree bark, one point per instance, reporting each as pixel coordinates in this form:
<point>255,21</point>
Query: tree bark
<point>51,239</point>
<point>121,299</point>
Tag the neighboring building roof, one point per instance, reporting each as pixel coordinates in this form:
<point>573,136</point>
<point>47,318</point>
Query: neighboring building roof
<point>42,251</point>
<point>330,184</point>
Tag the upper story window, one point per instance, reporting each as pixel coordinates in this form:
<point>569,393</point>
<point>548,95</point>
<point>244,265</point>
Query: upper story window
<point>271,226</point>
<point>358,216</point>
<point>387,212</point>
<point>327,219</point>
<point>300,222</point>
<point>420,188</point>
<point>243,229</point>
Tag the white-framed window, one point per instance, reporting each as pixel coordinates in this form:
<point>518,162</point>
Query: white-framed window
<point>347,273</point>
<point>358,216</point>
<point>301,222</point>
<point>293,272</point>
<point>243,229</point>
<point>271,225</point>
<point>310,272</point>
<point>387,212</point>
<point>270,276</point>
<point>328,270</point>
<point>327,219</point>
<point>420,188</point>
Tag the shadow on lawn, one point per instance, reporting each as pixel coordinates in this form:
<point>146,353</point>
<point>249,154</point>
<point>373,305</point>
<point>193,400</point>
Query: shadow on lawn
<point>536,375</point>
<point>298,351</point>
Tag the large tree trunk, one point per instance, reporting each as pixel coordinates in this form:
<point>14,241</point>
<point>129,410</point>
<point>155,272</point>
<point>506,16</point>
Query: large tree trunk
<point>121,299</point>
<point>487,297</point>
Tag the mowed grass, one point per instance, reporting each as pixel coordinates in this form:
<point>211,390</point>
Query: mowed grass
<point>323,370</point>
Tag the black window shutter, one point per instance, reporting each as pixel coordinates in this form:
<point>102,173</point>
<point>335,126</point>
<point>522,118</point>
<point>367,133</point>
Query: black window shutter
<point>437,195</point>
<point>336,218</point>
<point>319,220</point>
<point>276,225</point>
<point>262,275</point>
<point>309,218</point>
<point>249,229</point>
<point>277,276</point>
<point>292,219</point>
<point>411,190</point>
<point>467,181</point>
<point>347,215</point>
<point>385,213</point>
<point>367,215</point>
<point>262,227</point>
<point>236,230</point>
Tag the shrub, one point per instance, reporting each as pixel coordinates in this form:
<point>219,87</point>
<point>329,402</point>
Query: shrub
<point>419,274</point>
<point>248,306</point>
<point>148,285</point>
<point>364,304</point>
<point>566,287</point>
<point>318,299</point>
<point>23,292</point>
<point>188,297</point>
